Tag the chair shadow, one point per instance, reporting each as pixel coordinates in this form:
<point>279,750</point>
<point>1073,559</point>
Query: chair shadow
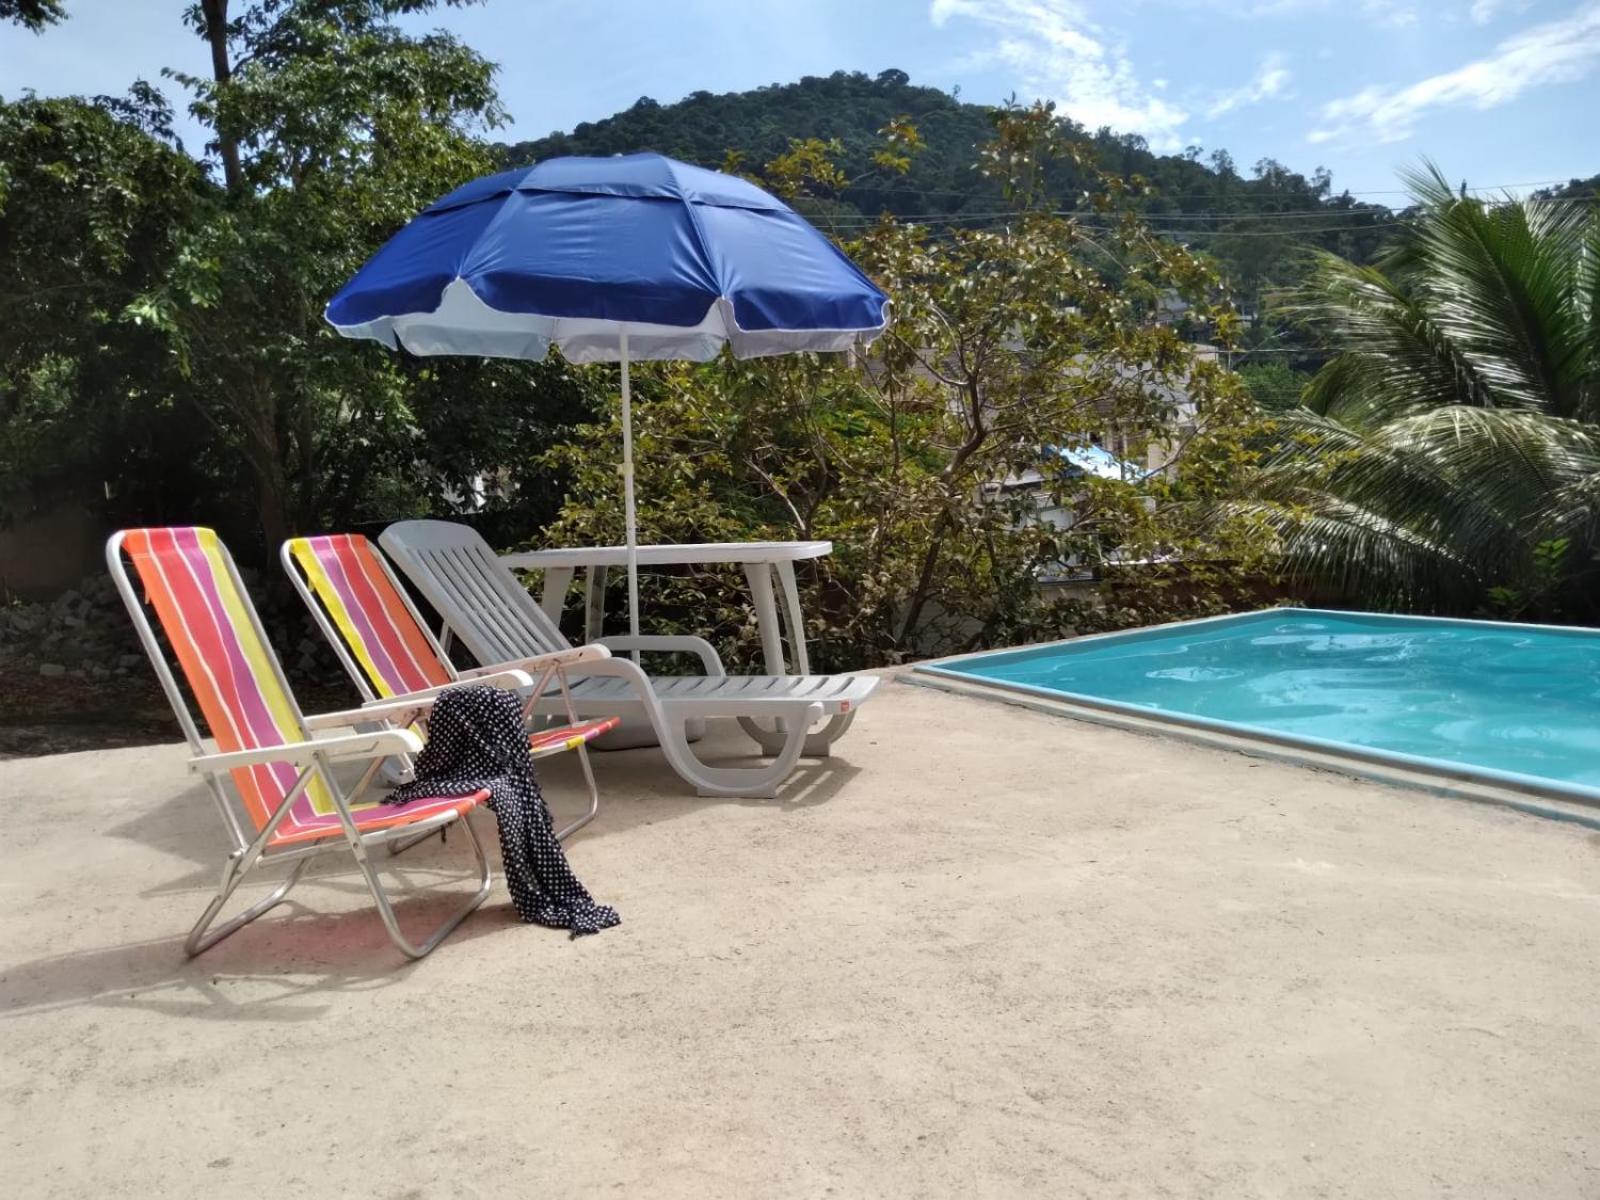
<point>294,952</point>
<point>298,953</point>
<point>637,787</point>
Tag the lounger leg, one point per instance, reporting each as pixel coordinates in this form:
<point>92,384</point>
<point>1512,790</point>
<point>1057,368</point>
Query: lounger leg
<point>760,782</point>
<point>380,897</point>
<point>200,941</point>
<point>818,744</point>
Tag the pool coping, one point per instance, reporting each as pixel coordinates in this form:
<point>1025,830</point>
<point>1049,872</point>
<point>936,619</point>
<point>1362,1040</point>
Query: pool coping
<point>1441,776</point>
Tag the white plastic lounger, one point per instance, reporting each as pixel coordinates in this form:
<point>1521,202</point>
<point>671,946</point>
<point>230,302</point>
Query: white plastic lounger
<point>484,604</point>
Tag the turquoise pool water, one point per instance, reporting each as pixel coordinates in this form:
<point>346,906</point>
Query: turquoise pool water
<point>1513,703</point>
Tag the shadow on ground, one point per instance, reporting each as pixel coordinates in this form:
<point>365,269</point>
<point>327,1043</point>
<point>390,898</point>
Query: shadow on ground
<point>274,968</point>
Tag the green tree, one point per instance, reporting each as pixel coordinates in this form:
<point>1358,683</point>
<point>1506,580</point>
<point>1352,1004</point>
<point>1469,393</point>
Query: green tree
<point>31,14</point>
<point>200,292</point>
<point>94,213</point>
<point>1574,189</point>
<point>1275,386</point>
<point>332,127</point>
<point>1449,455</point>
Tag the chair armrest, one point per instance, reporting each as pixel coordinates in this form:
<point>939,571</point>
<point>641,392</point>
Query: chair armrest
<point>540,663</point>
<point>397,707</point>
<point>666,643</point>
<point>301,754</point>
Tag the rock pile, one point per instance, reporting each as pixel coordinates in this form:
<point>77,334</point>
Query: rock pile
<point>85,633</point>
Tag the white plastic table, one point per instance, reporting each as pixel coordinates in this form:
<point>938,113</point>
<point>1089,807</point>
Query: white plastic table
<point>760,560</point>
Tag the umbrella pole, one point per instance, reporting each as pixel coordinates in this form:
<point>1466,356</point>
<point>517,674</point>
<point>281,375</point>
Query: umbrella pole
<point>629,515</point>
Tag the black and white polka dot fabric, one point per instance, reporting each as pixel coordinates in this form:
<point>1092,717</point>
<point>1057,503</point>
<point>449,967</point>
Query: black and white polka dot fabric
<point>476,740</point>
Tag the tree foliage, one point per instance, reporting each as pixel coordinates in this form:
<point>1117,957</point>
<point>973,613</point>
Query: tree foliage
<point>32,14</point>
<point>1449,457</point>
<point>163,354</point>
<point>1256,223</point>
<point>928,460</point>
<point>145,294</point>
<point>93,214</point>
<point>1274,385</point>
<point>1574,189</point>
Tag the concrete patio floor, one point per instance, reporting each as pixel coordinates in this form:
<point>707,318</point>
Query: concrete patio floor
<point>984,951</point>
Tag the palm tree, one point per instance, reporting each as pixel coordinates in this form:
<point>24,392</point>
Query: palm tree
<point>1449,458</point>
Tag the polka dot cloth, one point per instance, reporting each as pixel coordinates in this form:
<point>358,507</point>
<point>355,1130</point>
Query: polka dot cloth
<point>476,740</point>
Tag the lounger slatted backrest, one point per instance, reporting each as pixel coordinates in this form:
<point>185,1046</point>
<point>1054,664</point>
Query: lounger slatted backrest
<point>190,580</point>
<point>375,629</point>
<point>489,610</point>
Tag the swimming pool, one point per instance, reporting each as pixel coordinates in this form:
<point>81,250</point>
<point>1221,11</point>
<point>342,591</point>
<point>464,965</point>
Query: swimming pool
<point>1508,704</point>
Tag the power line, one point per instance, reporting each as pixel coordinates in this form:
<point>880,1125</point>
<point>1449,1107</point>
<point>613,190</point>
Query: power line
<point>1363,219</point>
<point>1326,212</point>
<point>949,225</point>
<point>1210,215</point>
<point>1297,220</point>
<point>1238,233</point>
<point>1491,187</point>
<point>1216,214</point>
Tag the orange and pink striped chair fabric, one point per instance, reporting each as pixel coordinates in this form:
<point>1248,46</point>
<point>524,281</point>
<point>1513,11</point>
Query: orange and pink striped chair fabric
<point>239,685</point>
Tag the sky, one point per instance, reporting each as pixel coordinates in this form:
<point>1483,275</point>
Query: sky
<point>1501,93</point>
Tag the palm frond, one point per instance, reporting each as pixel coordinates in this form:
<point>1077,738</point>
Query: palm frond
<point>1412,362</point>
<point>1494,278</point>
<point>1586,305</point>
<point>1456,430</point>
<point>1361,553</point>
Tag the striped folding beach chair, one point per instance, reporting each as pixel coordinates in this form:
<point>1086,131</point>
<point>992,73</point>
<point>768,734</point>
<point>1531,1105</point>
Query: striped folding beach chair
<point>286,805</point>
<point>387,649</point>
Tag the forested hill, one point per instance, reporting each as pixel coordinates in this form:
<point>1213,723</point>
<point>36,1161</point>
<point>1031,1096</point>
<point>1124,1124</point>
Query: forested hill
<point>1255,221</point>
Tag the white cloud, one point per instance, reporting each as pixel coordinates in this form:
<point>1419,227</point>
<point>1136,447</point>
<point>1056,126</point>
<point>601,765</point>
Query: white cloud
<point>1269,81</point>
<point>1059,53</point>
<point>1484,11</point>
<point>1554,52</point>
<point>1391,14</point>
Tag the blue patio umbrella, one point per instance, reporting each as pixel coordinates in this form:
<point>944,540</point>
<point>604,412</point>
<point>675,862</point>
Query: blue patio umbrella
<point>611,259</point>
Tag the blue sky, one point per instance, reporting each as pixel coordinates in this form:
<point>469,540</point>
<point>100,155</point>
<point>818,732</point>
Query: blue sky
<point>1499,92</point>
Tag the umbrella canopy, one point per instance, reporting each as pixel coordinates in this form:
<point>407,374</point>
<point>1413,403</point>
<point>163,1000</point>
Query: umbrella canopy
<point>634,257</point>
<point>574,251</point>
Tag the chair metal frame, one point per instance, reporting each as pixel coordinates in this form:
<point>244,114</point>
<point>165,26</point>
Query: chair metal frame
<point>550,668</point>
<point>315,758</point>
